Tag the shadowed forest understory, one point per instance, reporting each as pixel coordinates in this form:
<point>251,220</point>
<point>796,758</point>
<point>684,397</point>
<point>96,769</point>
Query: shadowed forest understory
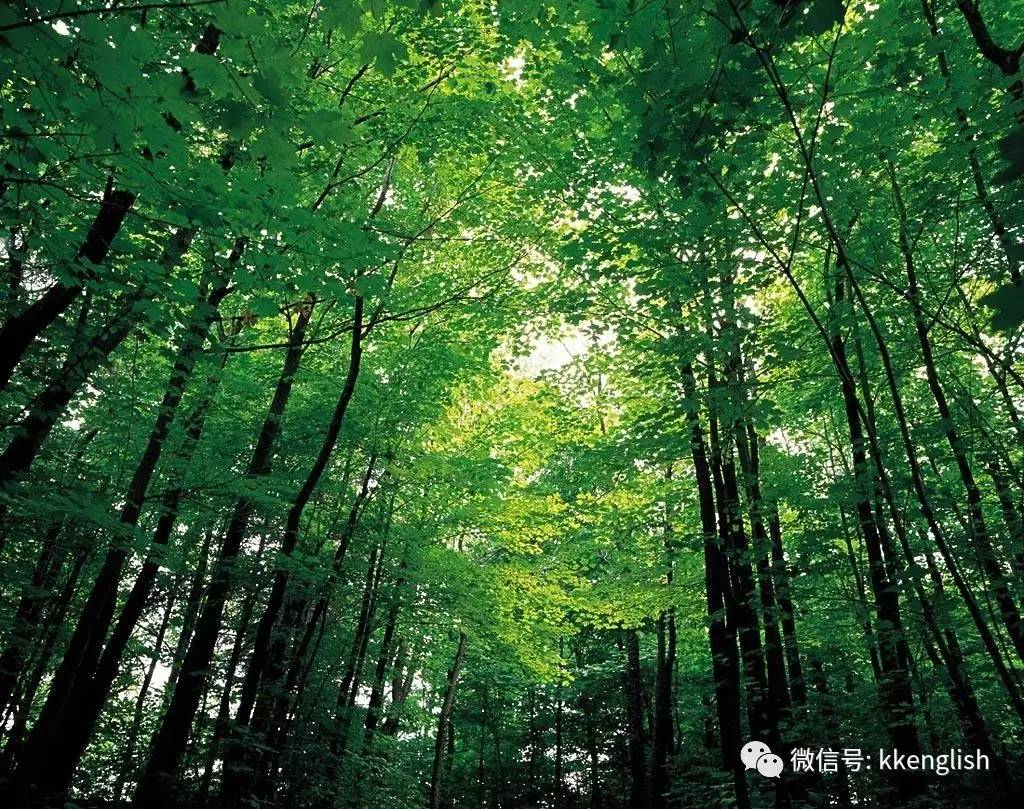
<point>543,404</point>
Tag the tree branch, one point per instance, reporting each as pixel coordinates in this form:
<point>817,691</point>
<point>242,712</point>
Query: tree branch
<point>1007,60</point>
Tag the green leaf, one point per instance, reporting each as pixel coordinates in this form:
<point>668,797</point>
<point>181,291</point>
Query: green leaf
<point>383,50</point>
<point>329,125</point>
<point>371,286</point>
<point>815,17</point>
<point>1007,304</point>
<point>268,83</point>
<point>343,16</point>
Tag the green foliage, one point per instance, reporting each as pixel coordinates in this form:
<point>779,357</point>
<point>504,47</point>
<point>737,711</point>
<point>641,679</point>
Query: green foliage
<point>666,312</point>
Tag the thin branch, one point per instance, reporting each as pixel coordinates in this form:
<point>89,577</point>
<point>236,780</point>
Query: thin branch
<point>97,10</point>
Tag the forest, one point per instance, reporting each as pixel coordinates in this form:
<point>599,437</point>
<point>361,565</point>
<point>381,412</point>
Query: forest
<point>511,404</point>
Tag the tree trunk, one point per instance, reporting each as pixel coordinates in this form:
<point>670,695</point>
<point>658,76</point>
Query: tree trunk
<point>88,669</point>
<point>261,652</point>
<point>895,689</point>
<point>158,785</point>
<point>950,649</point>
<point>84,358</point>
<point>52,624</point>
<point>722,634</point>
<point>128,758</point>
<point>663,735</point>
<point>268,656</point>
<point>21,330</point>
<point>443,723</point>
<point>28,616</point>
<point>633,683</point>
<point>977,527</point>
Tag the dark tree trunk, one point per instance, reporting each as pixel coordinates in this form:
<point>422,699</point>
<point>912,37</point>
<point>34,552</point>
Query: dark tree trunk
<point>51,630</point>
<point>896,693</point>
<point>558,790</point>
<point>977,526</point>
<point>1006,240</point>
<point>721,632</point>
<point>945,641</point>
<point>158,787</point>
<point>220,726</point>
<point>21,330</point>
<point>267,661</point>
<point>84,358</point>
<point>740,596</point>
<point>443,724</point>
<point>360,639</point>
<point>663,735</point>
<point>774,646</point>
<point>128,758</point>
<point>28,616</point>
<point>633,683</point>
<point>780,573</point>
<point>88,669</point>
<point>192,602</point>
<point>383,658</point>
<point>401,687</point>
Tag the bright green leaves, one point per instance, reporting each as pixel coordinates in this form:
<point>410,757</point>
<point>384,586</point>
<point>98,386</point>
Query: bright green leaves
<point>342,15</point>
<point>329,126</point>
<point>384,50</point>
<point>371,286</point>
<point>522,19</point>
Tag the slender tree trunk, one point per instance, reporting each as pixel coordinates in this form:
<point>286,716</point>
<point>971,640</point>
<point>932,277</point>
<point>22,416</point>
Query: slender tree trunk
<point>559,775</point>
<point>128,758</point>
<point>261,653</point>
<point>316,616</point>
<point>740,598</point>
<point>88,669</point>
<point>52,625</point>
<point>781,576</point>
<point>592,743</point>
<point>220,727</point>
<point>267,660</point>
<point>1006,241</point>
<point>401,687</point>
<point>84,358</point>
<point>934,526</point>
<point>895,689</point>
<point>158,785</point>
<point>28,615</point>
<point>443,724</point>
<point>33,602</point>
<point>663,733</point>
<point>192,604</point>
<point>774,646</point>
<point>350,681</point>
<point>722,634</point>
<point>376,702</point>
<point>21,330</point>
<point>977,527</point>
<point>633,683</point>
